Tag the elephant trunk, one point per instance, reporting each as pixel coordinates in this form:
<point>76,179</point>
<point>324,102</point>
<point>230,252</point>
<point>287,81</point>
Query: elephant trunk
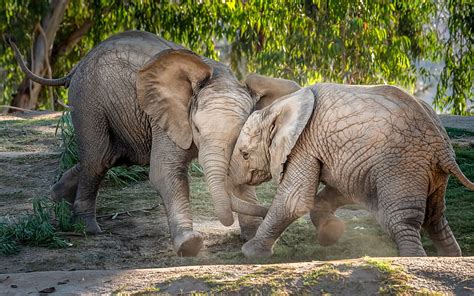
<point>215,170</point>
<point>215,166</point>
<point>243,207</point>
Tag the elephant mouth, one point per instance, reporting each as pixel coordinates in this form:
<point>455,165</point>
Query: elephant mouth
<point>257,177</point>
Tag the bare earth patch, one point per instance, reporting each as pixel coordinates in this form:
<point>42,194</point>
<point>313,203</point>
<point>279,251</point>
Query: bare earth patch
<point>365,276</point>
<point>136,239</point>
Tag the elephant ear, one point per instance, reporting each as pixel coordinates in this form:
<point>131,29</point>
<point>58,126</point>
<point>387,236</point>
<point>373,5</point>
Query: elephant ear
<point>268,89</point>
<point>289,116</point>
<point>165,86</point>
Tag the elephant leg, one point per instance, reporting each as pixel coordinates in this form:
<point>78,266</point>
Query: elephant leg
<point>443,238</point>
<point>294,198</point>
<point>84,207</point>
<point>96,157</point>
<point>402,211</point>
<point>329,227</point>
<point>248,224</point>
<point>437,226</point>
<point>169,176</point>
<point>66,187</point>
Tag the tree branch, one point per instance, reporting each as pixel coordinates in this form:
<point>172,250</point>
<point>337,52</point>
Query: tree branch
<point>65,46</point>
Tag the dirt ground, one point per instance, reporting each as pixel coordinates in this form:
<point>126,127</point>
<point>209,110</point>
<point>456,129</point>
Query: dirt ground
<point>365,276</point>
<point>29,158</point>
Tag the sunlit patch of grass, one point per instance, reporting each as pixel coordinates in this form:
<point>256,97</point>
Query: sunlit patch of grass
<point>395,278</point>
<point>265,280</point>
<point>38,228</point>
<point>327,271</point>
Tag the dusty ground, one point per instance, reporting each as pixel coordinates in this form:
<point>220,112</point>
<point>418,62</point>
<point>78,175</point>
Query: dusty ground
<point>366,276</point>
<point>29,151</point>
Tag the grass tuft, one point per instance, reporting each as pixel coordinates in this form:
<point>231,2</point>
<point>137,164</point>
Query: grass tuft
<point>38,228</point>
<point>395,280</point>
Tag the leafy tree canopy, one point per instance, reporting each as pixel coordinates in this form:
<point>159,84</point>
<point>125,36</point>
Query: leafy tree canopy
<point>358,42</point>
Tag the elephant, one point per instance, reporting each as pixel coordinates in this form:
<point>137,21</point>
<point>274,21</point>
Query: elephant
<point>376,146</point>
<point>138,99</point>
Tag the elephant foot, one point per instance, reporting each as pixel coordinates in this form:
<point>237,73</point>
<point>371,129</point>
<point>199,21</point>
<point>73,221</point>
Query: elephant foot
<point>330,231</point>
<point>412,252</point>
<point>188,244</point>
<point>92,227</point>
<point>253,249</point>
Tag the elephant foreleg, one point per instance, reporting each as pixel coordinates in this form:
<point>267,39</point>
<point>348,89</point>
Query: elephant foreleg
<point>294,198</point>
<point>329,227</point>
<point>169,175</point>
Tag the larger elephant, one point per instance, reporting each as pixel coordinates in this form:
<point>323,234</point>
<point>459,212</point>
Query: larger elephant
<point>373,145</point>
<point>139,99</point>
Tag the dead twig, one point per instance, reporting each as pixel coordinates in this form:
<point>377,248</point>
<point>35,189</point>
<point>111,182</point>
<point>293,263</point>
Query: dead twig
<point>19,109</point>
<point>116,214</point>
<point>69,233</point>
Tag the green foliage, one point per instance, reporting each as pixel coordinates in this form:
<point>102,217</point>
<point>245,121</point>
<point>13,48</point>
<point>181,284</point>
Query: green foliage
<point>307,41</point>
<point>37,228</point>
<point>458,73</point>
<point>17,18</point>
<point>121,176</point>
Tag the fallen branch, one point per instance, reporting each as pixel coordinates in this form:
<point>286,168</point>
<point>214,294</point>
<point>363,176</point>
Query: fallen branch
<point>115,214</point>
<point>69,233</point>
<point>18,108</point>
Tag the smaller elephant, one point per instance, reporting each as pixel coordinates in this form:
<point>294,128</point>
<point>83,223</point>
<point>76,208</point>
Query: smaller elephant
<point>373,145</point>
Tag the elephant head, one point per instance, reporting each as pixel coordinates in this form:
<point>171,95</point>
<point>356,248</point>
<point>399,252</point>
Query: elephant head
<point>199,101</point>
<point>269,135</point>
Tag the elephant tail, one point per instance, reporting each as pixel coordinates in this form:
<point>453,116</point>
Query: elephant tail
<point>453,168</point>
<point>44,81</point>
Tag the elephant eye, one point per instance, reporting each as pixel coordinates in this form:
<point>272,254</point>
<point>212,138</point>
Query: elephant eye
<point>245,155</point>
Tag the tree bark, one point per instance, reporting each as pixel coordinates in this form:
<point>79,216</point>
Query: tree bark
<point>65,46</point>
<point>25,97</point>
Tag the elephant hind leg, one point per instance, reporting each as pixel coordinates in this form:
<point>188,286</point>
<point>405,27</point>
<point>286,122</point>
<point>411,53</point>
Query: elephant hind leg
<point>97,156</point>
<point>437,226</point>
<point>329,227</point>
<point>66,187</point>
<point>401,213</point>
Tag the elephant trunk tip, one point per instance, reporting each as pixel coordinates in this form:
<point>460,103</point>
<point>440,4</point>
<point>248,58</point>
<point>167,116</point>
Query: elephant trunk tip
<point>226,220</point>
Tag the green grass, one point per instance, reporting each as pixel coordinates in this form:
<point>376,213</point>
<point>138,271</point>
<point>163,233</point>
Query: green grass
<point>38,228</point>
<point>394,277</point>
<point>455,133</point>
<point>460,206</point>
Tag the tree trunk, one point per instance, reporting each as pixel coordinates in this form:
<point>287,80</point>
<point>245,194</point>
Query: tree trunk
<point>26,96</point>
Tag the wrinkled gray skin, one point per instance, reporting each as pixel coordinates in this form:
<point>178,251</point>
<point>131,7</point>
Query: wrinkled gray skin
<point>372,145</point>
<point>138,99</point>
